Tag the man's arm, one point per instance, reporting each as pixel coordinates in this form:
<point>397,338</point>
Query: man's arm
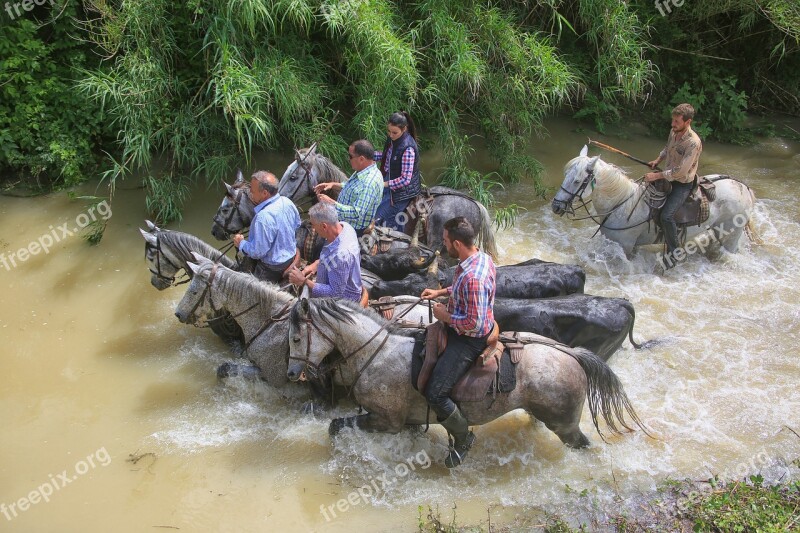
<point>260,241</point>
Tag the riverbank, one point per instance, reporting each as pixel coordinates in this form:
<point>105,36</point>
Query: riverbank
<point>685,506</point>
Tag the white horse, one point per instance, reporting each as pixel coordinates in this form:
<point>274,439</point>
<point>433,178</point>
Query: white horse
<point>618,207</point>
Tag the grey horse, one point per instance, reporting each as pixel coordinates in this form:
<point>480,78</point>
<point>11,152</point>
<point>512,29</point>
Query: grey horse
<point>299,179</point>
<point>553,381</point>
<point>168,253</point>
<point>260,308</point>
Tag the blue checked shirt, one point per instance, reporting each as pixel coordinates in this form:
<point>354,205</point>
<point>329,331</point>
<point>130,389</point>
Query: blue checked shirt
<point>339,270</point>
<point>472,296</point>
<point>360,197</point>
<point>272,239</point>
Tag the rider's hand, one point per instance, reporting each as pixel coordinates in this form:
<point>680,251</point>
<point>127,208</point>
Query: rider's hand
<point>652,176</point>
<point>430,294</point>
<point>311,269</point>
<point>440,312</point>
<point>237,239</point>
<point>322,187</point>
<point>325,199</point>
<point>296,277</point>
<point>653,164</point>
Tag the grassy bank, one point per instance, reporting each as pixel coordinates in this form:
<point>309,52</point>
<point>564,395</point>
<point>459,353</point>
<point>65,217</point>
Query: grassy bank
<point>741,506</point>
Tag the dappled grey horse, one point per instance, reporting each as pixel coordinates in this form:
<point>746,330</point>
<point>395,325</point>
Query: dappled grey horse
<point>617,206</point>
<point>236,212</point>
<point>306,171</point>
<point>168,253</point>
<point>553,380</point>
<point>260,308</point>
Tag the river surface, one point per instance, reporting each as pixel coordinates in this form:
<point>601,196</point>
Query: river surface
<point>112,417</point>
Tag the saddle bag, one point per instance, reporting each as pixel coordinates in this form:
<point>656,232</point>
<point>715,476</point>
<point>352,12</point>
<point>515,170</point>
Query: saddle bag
<point>708,188</point>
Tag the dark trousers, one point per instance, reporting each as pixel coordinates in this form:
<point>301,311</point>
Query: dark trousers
<point>680,192</point>
<point>459,355</point>
<point>272,273</point>
<point>387,213</point>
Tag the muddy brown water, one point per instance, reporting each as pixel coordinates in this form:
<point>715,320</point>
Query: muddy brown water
<point>112,418</point>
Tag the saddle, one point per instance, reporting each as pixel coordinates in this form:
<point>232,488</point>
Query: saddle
<point>383,237</point>
<point>695,210</point>
<point>494,369</point>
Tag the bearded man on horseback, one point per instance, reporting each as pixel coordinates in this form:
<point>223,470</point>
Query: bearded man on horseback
<point>682,155</point>
<point>469,320</point>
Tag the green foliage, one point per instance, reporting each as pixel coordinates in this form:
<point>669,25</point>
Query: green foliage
<point>165,198</point>
<point>47,130</point>
<point>601,112</point>
<point>750,506</point>
<point>723,111</point>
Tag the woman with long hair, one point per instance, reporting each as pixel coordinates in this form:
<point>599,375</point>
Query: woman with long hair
<point>399,163</point>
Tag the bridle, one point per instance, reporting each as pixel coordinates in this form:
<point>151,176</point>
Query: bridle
<point>302,162</point>
<point>236,198</point>
<point>317,370</point>
<point>159,253</point>
<point>219,314</point>
<point>589,181</point>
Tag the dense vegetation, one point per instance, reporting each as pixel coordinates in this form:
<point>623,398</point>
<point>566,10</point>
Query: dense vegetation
<point>185,91</point>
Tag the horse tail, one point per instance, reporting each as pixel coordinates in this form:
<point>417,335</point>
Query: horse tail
<point>486,235</point>
<point>630,331</point>
<point>605,394</point>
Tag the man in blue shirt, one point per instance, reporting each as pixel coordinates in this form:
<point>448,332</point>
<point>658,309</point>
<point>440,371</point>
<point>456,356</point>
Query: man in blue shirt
<point>272,233</point>
<point>361,194</point>
<point>339,268</point>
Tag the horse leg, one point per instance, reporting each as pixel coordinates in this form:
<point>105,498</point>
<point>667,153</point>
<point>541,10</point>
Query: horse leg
<point>731,242</point>
<point>369,422</point>
<point>564,422</point>
<point>249,372</point>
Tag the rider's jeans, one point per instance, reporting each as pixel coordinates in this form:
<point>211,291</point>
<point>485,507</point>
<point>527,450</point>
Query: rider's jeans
<point>680,192</point>
<point>459,355</point>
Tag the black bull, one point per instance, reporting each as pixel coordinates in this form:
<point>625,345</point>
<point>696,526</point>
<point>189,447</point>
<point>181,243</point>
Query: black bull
<point>579,320</point>
<point>530,279</point>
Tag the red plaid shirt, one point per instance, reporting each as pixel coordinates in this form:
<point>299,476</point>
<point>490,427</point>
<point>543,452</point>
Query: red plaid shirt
<point>472,296</point>
<point>406,167</point>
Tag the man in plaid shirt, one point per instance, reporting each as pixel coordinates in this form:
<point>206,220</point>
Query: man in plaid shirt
<point>361,194</point>
<point>470,317</point>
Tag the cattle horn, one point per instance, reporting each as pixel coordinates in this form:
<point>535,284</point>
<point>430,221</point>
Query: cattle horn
<point>417,228</point>
<point>421,263</point>
<point>434,266</point>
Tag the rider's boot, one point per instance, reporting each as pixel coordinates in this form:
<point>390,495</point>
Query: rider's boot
<point>463,439</point>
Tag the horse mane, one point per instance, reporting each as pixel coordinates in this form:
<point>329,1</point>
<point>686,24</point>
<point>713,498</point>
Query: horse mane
<point>331,310</point>
<point>326,170</point>
<point>241,286</point>
<point>183,244</point>
<point>612,179</point>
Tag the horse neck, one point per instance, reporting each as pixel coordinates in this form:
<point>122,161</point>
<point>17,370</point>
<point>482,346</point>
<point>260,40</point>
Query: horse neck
<point>181,245</point>
<point>241,292</point>
<point>351,340</point>
<point>612,188</point>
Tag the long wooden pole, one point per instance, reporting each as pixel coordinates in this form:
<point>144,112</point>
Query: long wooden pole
<point>620,152</point>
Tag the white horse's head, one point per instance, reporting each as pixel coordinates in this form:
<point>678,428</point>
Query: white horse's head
<point>301,176</point>
<point>200,301</point>
<point>579,182</point>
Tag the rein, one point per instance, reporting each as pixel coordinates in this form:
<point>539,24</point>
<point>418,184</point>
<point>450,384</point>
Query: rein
<point>157,272</point>
<point>316,371</point>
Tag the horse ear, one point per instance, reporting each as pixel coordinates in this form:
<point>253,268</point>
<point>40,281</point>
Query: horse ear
<point>149,237</point>
<point>230,189</point>
<point>200,259</point>
<point>239,176</point>
<point>193,267</point>
<point>592,163</point>
<point>584,151</point>
<point>151,226</point>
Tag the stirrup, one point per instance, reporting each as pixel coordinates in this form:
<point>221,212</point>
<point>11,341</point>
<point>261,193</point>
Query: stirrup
<point>454,458</point>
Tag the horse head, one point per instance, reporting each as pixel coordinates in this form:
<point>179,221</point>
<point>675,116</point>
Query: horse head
<point>301,176</point>
<point>579,181</point>
<point>162,264</point>
<point>236,210</point>
<point>198,304</point>
<point>310,337</point>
